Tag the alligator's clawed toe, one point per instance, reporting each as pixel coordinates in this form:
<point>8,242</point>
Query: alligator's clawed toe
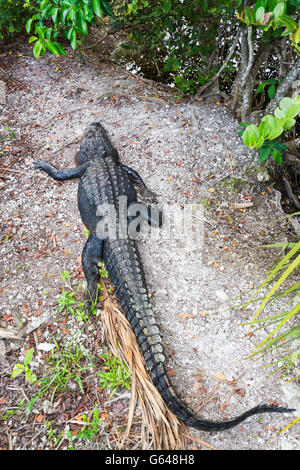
<point>150,196</point>
<point>39,165</point>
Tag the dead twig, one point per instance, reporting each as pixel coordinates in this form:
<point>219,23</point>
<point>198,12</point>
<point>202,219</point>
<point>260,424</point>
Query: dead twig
<point>199,441</point>
<point>9,334</point>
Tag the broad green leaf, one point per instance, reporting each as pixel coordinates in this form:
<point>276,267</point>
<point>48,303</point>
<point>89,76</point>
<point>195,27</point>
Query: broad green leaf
<point>249,15</point>
<point>289,124</point>
<point>32,38</point>
<point>275,133</point>
<point>261,3</point>
<point>251,136</point>
<point>279,145</point>
<point>293,110</point>
<point>277,156</point>
<point>28,356</point>
<point>28,25</point>
<point>279,113</point>
<point>37,49</point>
<point>285,103</point>
<point>48,33</point>
<point>264,154</point>
<point>271,91</point>
<point>289,22</point>
<point>46,9</point>
<point>259,142</point>
<point>54,15</point>
<point>167,6</point>
<point>60,49</point>
<point>260,87</point>
<point>82,22</point>
<point>63,14</point>
<point>278,10</point>
<point>73,39</point>
<point>260,15</point>
<point>40,31</point>
<point>71,15</point>
<point>52,48</point>
<point>43,4</point>
<point>271,81</point>
<point>97,8</point>
<point>30,377</point>
<point>18,369</point>
<point>267,125</point>
<point>297,98</point>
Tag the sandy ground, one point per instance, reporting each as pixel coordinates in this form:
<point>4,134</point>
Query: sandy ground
<point>186,153</point>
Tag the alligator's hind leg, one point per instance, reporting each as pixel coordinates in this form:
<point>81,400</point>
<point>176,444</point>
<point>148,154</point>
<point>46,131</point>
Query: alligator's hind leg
<point>148,195</point>
<point>91,256</point>
<point>60,175</point>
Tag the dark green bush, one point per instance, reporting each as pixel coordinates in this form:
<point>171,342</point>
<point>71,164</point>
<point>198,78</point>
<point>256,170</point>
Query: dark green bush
<point>13,17</point>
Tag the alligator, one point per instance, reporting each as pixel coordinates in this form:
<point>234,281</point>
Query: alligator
<point>103,179</point>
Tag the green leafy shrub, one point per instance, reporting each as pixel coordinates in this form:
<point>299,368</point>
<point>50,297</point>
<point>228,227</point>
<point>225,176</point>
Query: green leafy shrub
<point>13,17</point>
<point>263,136</point>
<point>70,18</point>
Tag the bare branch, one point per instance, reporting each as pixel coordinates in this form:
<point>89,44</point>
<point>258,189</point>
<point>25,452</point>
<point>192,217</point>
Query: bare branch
<point>250,56</point>
<point>225,63</point>
<point>285,86</point>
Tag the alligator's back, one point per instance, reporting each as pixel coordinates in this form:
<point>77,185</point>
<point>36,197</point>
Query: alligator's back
<point>103,183</point>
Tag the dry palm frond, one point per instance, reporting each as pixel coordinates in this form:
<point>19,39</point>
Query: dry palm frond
<point>160,427</point>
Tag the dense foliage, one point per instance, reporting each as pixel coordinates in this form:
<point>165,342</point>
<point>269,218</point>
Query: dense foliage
<point>13,17</point>
<point>248,49</point>
<point>69,18</point>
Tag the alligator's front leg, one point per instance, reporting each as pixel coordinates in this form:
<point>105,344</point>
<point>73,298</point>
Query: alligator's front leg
<point>91,256</point>
<point>60,175</point>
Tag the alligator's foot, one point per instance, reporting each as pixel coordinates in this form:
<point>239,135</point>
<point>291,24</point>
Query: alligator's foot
<point>41,165</point>
<point>149,196</point>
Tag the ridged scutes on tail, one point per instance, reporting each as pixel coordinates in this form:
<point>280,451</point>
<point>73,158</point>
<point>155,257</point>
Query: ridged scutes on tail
<point>185,415</point>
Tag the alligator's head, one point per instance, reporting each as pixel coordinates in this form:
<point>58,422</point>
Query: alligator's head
<point>95,144</point>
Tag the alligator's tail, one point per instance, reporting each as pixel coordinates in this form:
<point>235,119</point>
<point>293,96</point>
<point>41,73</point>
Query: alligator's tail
<point>122,261</point>
<point>185,415</point>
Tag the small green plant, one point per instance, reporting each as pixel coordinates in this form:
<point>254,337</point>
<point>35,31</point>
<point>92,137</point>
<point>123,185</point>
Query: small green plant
<point>88,432</point>
<point>65,365</point>
<point>66,301</point>
<point>8,134</point>
<point>24,368</point>
<point>270,84</point>
<point>116,375</point>
<point>13,411</point>
<point>91,426</point>
<point>270,128</point>
<point>102,271</point>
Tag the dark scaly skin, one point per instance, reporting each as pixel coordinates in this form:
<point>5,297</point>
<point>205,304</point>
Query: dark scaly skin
<point>103,179</point>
